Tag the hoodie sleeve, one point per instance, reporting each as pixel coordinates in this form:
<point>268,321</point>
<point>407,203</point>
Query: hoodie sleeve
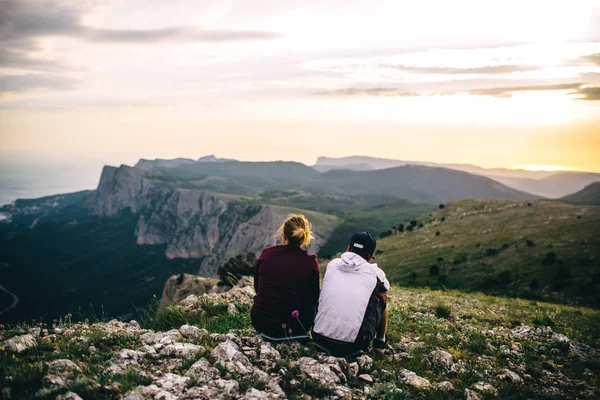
<point>382,278</point>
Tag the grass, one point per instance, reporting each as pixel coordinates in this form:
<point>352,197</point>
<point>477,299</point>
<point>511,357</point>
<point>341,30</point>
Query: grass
<point>502,247</point>
<point>421,321</point>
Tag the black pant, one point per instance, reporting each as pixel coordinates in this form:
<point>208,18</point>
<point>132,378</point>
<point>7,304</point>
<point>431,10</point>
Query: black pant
<point>366,333</point>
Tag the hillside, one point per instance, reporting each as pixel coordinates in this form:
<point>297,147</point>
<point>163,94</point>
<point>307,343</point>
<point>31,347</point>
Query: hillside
<point>415,183</point>
<point>590,195</point>
<point>444,345</point>
<point>539,249</point>
<point>540,183</point>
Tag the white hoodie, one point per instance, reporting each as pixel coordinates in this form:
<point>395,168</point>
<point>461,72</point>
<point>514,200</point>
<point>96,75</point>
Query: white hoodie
<point>347,287</point>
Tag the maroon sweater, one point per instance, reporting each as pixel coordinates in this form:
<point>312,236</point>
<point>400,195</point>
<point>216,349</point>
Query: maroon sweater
<point>286,279</point>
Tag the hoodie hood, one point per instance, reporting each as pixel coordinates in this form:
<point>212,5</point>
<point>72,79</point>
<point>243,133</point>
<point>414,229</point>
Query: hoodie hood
<point>352,262</point>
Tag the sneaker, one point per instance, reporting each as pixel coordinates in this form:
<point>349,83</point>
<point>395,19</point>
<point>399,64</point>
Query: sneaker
<point>381,345</point>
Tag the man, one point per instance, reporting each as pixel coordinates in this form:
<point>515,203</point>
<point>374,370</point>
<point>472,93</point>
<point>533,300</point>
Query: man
<point>352,306</point>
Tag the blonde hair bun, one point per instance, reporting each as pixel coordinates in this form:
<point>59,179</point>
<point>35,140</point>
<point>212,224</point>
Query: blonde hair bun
<point>296,230</point>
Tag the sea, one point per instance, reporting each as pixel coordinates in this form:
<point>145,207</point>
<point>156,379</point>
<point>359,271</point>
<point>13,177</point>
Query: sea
<point>30,179</point>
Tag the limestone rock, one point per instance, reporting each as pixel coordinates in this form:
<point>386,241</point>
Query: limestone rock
<point>364,362</point>
<point>68,396</point>
<point>484,387</point>
<point>366,378</point>
<point>228,354</point>
<point>149,392</point>
<point>439,360</point>
<point>192,332</point>
<point>319,372</point>
<point>21,343</point>
<point>62,367</point>
<point>414,380</point>
<point>444,386</point>
<point>203,371</point>
<point>472,395</point>
<point>161,338</point>
<point>172,383</point>
<point>183,350</point>
<point>510,376</point>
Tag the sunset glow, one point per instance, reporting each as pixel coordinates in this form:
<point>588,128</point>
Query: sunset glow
<point>426,80</point>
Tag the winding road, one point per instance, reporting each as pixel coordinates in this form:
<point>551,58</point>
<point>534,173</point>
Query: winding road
<point>11,294</point>
<point>15,299</point>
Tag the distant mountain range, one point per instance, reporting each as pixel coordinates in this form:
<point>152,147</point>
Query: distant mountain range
<point>548,184</point>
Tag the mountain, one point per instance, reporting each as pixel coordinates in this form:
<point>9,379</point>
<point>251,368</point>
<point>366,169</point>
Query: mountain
<point>213,158</point>
<point>161,163</point>
<point>540,249</point>
<point>549,184</point>
<point>353,167</point>
<point>590,195</point>
<point>415,183</point>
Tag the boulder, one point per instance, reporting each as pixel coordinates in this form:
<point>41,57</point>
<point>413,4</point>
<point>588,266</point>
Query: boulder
<point>414,380</point>
<point>183,350</point>
<point>510,376</point>
<point>472,395</point>
<point>203,371</point>
<point>21,343</point>
<point>192,332</point>
<point>439,360</point>
<point>319,372</point>
<point>230,357</point>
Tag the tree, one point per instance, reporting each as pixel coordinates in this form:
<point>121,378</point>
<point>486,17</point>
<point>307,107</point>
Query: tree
<point>401,228</point>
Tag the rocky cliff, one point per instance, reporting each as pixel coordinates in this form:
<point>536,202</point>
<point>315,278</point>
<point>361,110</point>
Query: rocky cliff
<point>191,223</point>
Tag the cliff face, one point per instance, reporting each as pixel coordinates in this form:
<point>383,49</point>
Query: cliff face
<point>119,189</point>
<point>191,223</point>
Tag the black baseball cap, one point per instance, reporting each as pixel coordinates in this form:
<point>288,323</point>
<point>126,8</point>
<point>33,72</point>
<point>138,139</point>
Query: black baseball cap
<point>363,244</point>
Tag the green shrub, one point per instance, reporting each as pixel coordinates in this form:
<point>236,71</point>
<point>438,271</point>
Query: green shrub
<point>534,284</point>
<point>505,277</point>
<point>530,243</point>
<point>434,270</point>
<point>550,258</point>
<point>491,252</point>
<point>442,311</point>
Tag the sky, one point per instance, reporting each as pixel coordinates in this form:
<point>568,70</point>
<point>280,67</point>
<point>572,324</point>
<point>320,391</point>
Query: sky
<point>497,83</point>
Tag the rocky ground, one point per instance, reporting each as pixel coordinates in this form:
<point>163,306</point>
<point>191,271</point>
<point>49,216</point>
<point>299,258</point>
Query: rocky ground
<point>445,345</point>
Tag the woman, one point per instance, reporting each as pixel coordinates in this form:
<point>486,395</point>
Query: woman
<point>286,281</point>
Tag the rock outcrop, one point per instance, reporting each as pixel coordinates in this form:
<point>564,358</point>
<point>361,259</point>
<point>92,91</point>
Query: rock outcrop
<point>191,223</point>
<point>178,287</point>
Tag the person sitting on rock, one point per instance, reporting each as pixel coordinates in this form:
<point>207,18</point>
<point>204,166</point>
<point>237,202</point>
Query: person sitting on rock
<point>286,282</point>
<point>352,310</point>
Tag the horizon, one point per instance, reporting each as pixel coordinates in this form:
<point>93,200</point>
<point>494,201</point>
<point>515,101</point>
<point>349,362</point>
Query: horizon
<point>118,81</point>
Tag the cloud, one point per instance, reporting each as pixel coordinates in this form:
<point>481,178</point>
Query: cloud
<point>184,34</point>
<point>378,91</point>
<point>589,93</point>
<point>37,18</point>
<point>488,70</point>
<point>591,58</point>
<point>19,83</point>
<point>504,92</point>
